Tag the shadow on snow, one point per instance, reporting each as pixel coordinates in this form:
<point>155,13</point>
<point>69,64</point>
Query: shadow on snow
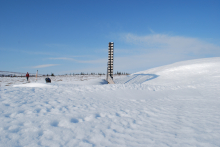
<point>136,79</point>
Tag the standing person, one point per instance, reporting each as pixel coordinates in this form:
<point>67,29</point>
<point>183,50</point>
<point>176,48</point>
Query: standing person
<point>27,75</point>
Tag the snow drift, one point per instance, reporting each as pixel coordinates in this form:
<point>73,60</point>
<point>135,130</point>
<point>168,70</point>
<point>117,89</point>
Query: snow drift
<point>186,72</point>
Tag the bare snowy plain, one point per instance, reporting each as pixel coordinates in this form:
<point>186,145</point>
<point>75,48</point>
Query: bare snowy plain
<point>173,105</point>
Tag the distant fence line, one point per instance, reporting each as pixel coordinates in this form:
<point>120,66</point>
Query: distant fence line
<point>52,74</point>
<point>9,75</point>
<point>82,73</point>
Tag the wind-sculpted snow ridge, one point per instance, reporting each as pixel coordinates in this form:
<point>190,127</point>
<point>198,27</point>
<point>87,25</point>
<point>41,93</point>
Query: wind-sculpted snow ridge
<point>151,109</point>
<point>185,72</point>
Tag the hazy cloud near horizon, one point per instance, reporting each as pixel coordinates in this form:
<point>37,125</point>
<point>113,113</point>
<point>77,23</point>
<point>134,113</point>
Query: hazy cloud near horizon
<point>177,44</point>
<point>45,65</point>
<point>80,61</point>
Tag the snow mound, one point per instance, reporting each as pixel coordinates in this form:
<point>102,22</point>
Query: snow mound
<point>190,67</point>
<point>185,72</point>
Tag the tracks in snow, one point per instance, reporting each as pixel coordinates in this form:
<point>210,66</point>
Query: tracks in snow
<point>135,79</point>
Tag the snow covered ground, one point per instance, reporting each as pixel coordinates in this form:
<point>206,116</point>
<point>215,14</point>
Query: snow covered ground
<point>76,79</point>
<point>173,105</point>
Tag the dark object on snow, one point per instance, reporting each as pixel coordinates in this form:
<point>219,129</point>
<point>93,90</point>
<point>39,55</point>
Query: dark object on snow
<point>48,80</point>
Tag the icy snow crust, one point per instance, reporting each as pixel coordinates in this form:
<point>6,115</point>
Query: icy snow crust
<point>173,105</point>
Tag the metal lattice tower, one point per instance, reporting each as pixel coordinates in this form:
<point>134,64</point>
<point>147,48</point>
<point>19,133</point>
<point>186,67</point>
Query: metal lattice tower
<point>110,59</point>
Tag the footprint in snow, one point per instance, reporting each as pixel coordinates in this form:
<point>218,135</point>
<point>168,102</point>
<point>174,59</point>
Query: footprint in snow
<point>48,110</point>
<point>21,111</point>
<point>13,129</point>
<point>54,123</point>
<point>89,118</point>
<point>97,115</point>
<point>74,120</point>
<point>117,114</point>
<point>40,133</point>
<point>37,110</point>
<point>7,115</point>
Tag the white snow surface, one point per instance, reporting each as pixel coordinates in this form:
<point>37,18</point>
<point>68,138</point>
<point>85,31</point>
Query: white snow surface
<point>32,85</point>
<point>173,105</point>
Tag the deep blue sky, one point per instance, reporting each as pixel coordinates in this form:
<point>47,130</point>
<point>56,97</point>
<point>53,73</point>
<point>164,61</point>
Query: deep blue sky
<point>72,36</point>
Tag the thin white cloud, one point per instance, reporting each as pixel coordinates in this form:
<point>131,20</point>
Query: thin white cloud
<point>96,69</point>
<point>152,31</point>
<point>63,58</point>
<point>80,56</point>
<point>45,65</point>
<point>175,44</point>
<point>161,49</point>
<point>81,61</point>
